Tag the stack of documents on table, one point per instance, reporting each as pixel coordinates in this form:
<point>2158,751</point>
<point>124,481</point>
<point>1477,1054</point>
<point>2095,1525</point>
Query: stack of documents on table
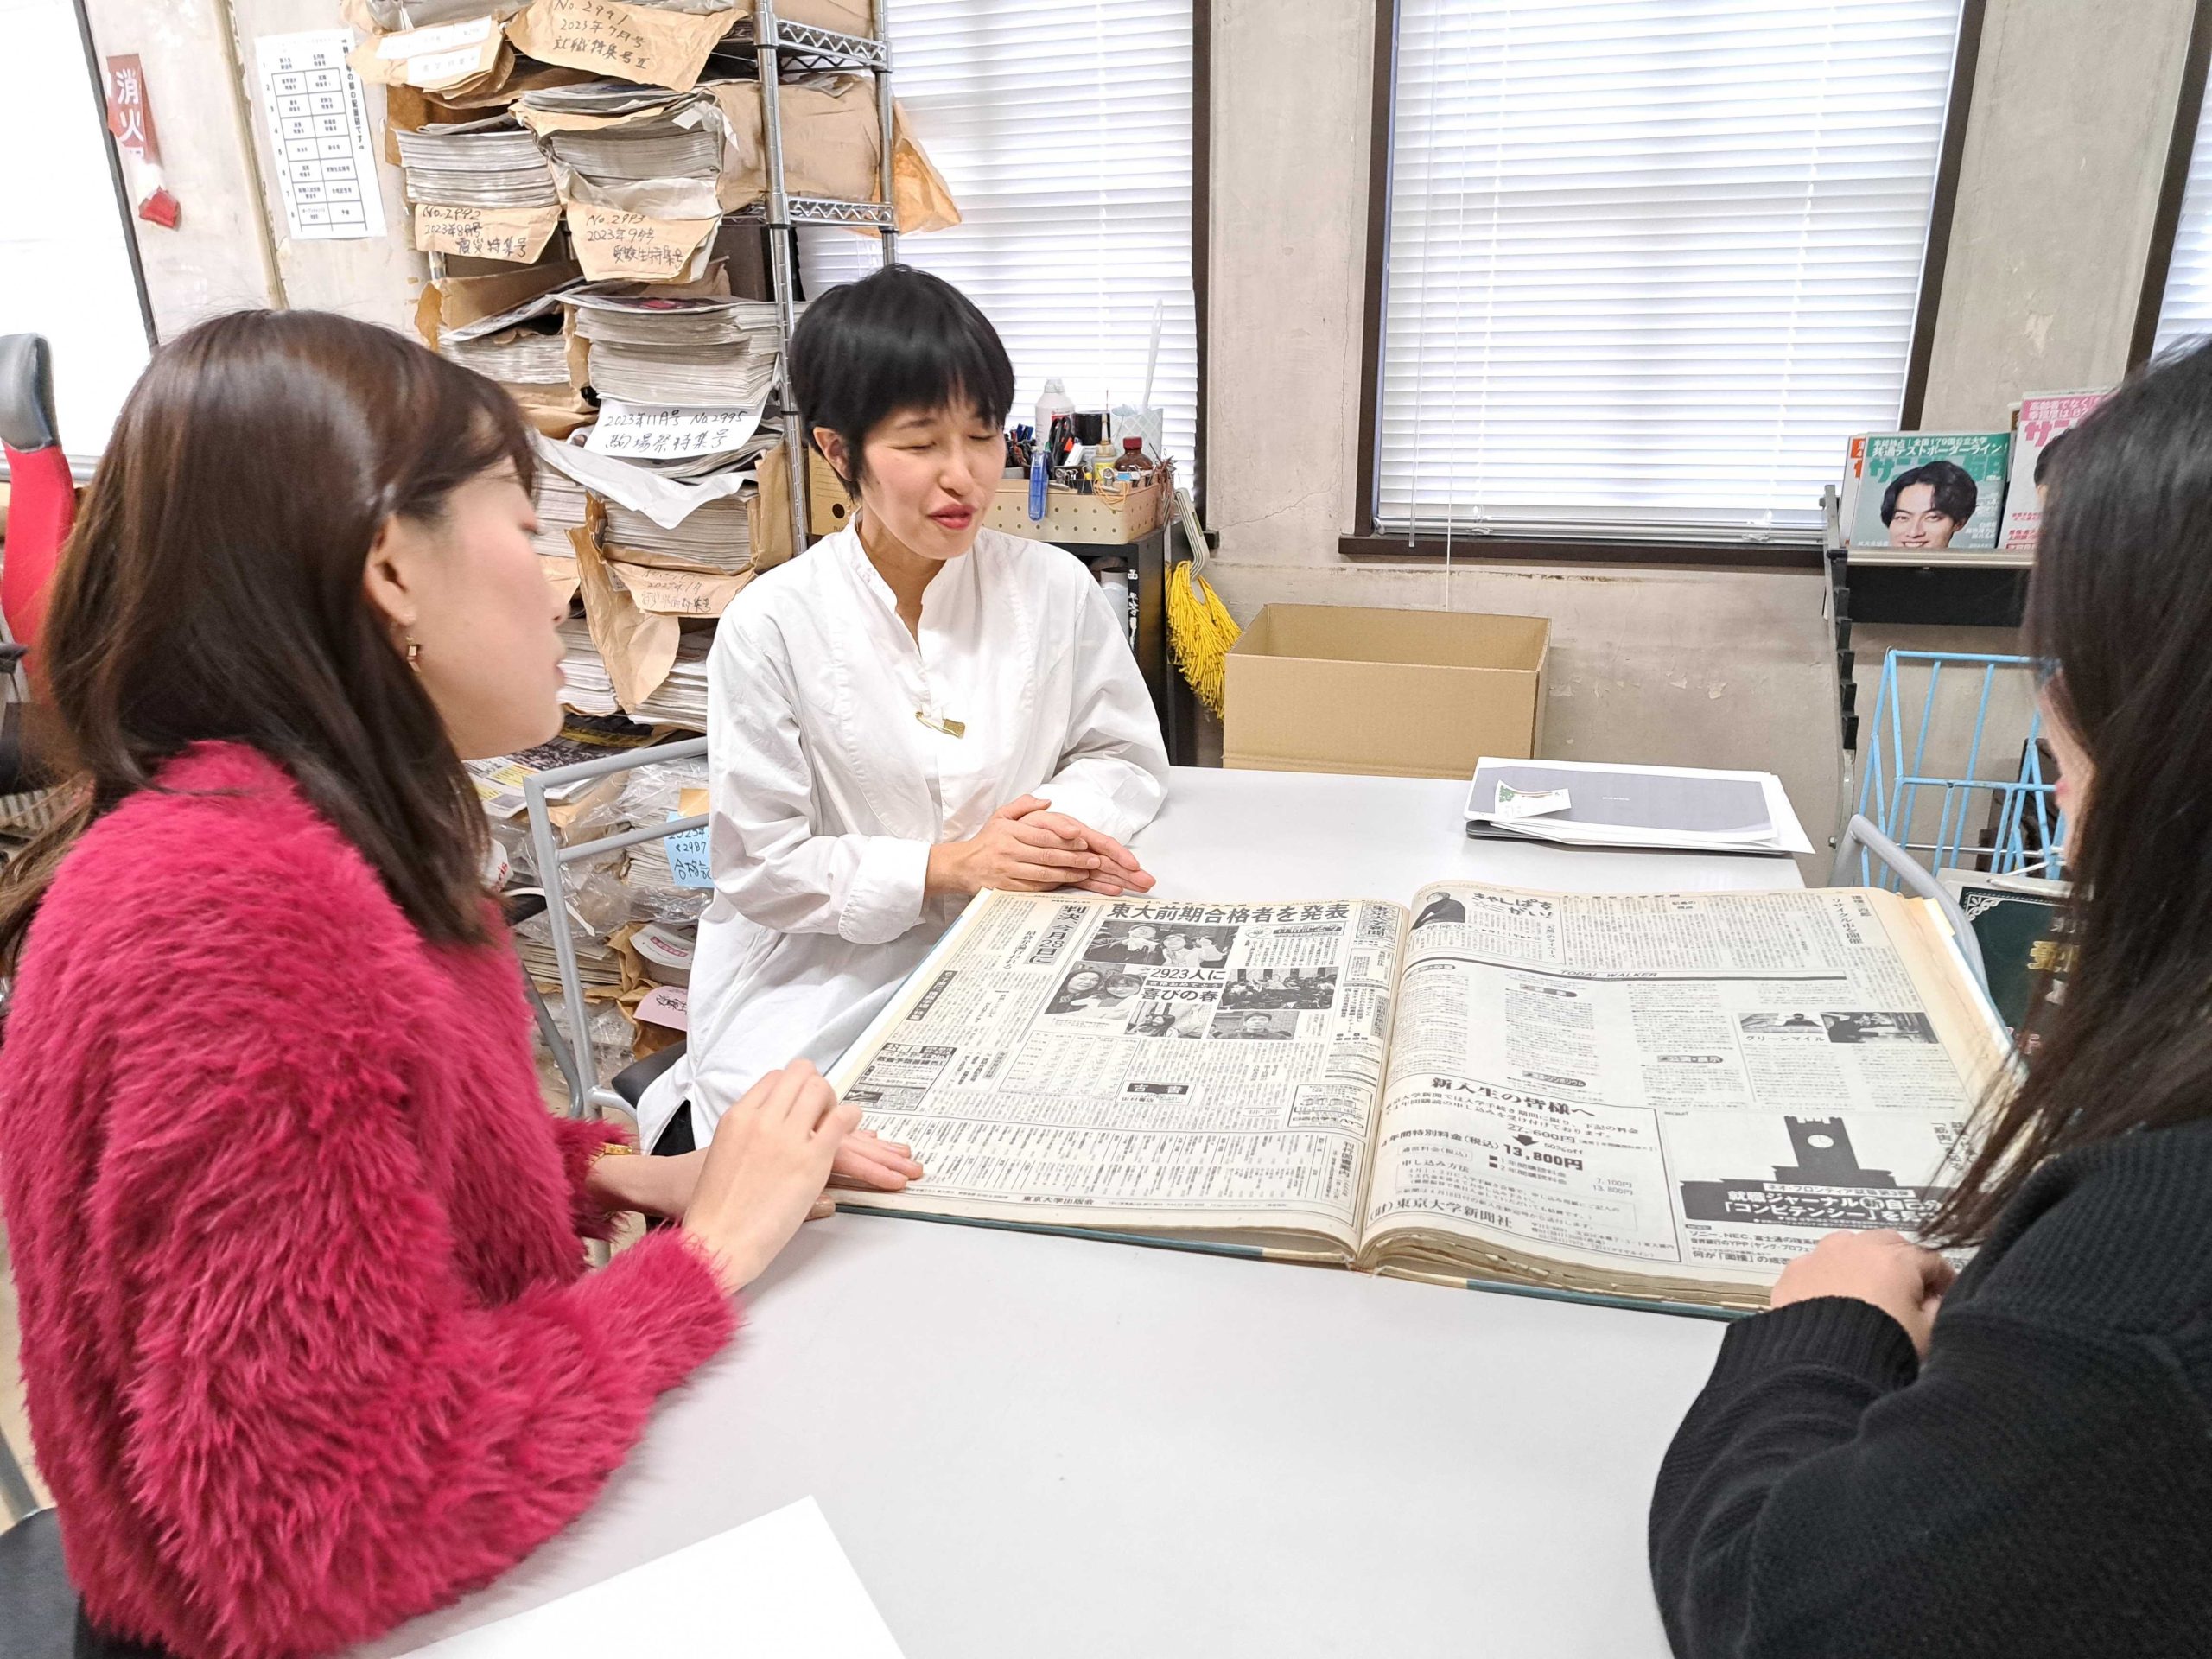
<point>779,1586</point>
<point>681,699</point>
<point>490,163</point>
<point>590,689</point>
<point>1589,804</point>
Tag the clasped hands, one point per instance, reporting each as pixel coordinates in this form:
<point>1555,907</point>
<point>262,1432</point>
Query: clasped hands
<point>1026,847</point>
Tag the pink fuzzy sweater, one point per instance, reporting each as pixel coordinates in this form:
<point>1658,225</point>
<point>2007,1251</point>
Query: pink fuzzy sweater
<point>309,1342</point>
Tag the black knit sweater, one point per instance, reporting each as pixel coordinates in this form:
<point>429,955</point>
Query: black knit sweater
<point>2041,1484</point>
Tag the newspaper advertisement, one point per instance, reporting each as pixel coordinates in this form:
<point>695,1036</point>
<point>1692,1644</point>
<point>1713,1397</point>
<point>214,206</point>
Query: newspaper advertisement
<point>1690,1086</point>
<point>1190,1061</point>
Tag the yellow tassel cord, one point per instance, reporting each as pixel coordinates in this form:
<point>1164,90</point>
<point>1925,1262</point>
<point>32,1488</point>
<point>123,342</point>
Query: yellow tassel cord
<point>1200,630</point>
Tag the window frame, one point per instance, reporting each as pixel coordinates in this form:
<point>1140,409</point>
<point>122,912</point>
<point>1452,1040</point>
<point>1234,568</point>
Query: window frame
<point>1790,551</point>
<point>1201,230</point>
<point>2165,222</point>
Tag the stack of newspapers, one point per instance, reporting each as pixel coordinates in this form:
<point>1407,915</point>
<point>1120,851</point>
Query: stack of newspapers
<point>522,349</point>
<point>681,699</point>
<point>715,537</point>
<point>678,351</point>
<point>561,507</point>
<point>490,163</point>
<point>590,690</point>
<point>674,145</point>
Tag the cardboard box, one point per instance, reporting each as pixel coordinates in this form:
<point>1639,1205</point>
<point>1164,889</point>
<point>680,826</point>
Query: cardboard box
<point>1405,694</point>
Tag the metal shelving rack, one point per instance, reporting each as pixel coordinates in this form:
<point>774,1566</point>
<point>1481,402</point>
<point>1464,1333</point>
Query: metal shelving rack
<point>806,49</point>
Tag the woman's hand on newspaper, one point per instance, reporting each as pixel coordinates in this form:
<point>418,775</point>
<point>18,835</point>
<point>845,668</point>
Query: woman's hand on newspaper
<point>764,1171</point>
<point>1118,871</point>
<point>867,1160</point>
<point>1906,1281</point>
<point>1012,852</point>
<point>663,1187</point>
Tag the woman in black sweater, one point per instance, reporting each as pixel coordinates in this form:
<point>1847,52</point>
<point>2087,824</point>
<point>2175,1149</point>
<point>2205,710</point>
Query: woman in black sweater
<point>2028,1471</point>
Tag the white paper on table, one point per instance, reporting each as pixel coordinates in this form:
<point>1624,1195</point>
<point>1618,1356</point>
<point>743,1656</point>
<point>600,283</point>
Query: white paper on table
<point>1515,804</point>
<point>646,432</point>
<point>667,502</point>
<point>777,1586</point>
<point>1693,808</point>
<point>318,136</point>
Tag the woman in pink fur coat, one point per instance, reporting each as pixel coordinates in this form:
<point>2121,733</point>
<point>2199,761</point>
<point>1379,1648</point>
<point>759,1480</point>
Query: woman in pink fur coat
<point>308,1337</point>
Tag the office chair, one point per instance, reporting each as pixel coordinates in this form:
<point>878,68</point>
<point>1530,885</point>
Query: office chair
<point>42,508</point>
<point>38,1608</point>
<point>42,494</point>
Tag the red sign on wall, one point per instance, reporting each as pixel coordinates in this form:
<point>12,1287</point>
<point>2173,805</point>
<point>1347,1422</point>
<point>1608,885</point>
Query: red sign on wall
<point>128,116</point>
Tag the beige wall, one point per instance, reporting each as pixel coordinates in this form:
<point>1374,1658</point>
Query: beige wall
<point>2073,110</point>
<point>2073,104</point>
<point>2074,101</point>
<point>231,248</point>
<point>219,256</point>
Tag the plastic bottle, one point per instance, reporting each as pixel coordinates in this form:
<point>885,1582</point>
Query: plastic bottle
<point>1054,404</point>
<point>1134,461</point>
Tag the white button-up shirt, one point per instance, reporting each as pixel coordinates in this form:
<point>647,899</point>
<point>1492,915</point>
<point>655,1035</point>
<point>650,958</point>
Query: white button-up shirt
<point>828,792</point>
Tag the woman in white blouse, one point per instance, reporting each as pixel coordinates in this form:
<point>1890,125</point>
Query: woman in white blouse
<point>913,710</point>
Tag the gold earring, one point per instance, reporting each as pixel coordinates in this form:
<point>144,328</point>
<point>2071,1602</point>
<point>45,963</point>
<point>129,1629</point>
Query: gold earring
<point>414,653</point>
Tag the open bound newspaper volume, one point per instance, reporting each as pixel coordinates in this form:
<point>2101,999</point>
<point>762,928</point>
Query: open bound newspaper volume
<point>1659,1097</point>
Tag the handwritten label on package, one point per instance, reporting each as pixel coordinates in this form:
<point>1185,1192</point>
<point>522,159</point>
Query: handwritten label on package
<point>679,592</point>
<point>611,244</point>
<point>655,48</point>
<point>440,37</point>
<point>432,59</point>
<point>640,430</point>
<point>515,234</point>
<point>686,858</point>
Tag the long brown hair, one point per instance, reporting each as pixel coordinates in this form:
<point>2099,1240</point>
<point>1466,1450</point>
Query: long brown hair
<point>2120,613</point>
<point>213,589</point>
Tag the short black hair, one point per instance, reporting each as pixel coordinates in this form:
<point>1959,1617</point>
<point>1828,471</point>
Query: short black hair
<point>899,339</point>
<point>1955,494</point>
<point>2043,455</point>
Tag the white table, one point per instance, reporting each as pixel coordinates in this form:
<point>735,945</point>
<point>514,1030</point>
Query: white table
<point>1048,1448</point>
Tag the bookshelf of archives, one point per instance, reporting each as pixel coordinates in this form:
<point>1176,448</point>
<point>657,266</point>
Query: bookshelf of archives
<point>609,195</point>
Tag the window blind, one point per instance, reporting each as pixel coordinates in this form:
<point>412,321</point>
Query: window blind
<point>1649,265</point>
<point>2185,312</point>
<point>1062,128</point>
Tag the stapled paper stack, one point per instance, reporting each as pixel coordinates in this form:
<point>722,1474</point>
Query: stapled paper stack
<point>1585,804</point>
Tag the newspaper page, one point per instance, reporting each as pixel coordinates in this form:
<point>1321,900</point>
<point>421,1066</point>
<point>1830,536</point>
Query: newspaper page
<point>1140,1062</point>
<point>1686,1087</point>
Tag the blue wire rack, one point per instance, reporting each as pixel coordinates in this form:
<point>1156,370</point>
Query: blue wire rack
<point>1941,816</point>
